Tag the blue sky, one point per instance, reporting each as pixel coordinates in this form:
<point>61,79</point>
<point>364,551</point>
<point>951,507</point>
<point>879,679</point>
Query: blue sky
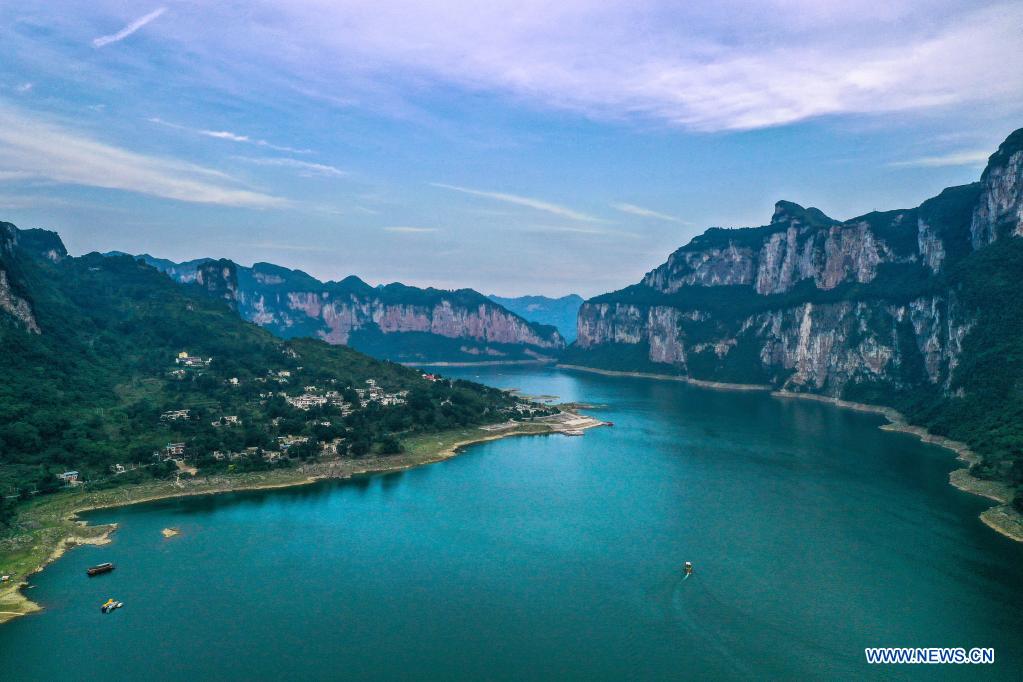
<point>513,147</point>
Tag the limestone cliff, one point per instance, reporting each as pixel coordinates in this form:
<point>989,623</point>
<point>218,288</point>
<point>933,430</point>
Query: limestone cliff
<point>999,212</point>
<point>395,321</point>
<point>219,278</point>
<point>12,301</point>
<point>809,303</point>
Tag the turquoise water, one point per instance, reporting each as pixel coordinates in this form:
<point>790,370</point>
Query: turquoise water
<point>814,534</point>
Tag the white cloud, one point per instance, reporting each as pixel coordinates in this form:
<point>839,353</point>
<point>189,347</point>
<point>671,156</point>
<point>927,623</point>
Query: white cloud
<point>24,87</point>
<point>710,66</point>
<point>31,147</point>
<point>228,135</point>
<point>129,29</point>
<point>519,200</point>
<point>633,209</point>
<point>964,158</point>
<point>591,231</point>
<point>304,167</point>
<point>401,229</point>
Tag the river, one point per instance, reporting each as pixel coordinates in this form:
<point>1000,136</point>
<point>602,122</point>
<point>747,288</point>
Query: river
<point>813,533</point>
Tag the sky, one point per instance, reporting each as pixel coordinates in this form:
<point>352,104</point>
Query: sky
<point>512,147</point>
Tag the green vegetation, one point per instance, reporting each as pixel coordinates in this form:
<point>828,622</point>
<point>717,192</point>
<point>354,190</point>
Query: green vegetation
<point>426,347</point>
<point>618,357</point>
<point>986,407</point>
<point>88,392</point>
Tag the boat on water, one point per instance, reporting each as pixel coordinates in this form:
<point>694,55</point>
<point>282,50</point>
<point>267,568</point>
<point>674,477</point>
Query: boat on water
<point>573,432</point>
<point>100,568</point>
<point>687,569</point>
<point>109,605</point>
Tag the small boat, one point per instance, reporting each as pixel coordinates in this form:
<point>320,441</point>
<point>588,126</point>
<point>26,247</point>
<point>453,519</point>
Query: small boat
<point>687,569</point>
<point>109,605</point>
<point>100,568</point>
<point>573,432</point>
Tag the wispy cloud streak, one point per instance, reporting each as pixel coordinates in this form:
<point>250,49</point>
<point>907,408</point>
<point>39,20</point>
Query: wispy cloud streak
<point>966,158</point>
<point>633,209</point>
<point>228,135</point>
<point>402,229</point>
<point>102,41</point>
<point>305,168</point>
<point>591,231</point>
<point>519,200</point>
<point>30,147</point>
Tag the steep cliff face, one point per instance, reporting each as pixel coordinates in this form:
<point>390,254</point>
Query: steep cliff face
<point>815,347</point>
<point>219,278</point>
<point>797,245</point>
<point>808,303</point>
<point>394,321</point>
<point>12,301</point>
<point>999,213</point>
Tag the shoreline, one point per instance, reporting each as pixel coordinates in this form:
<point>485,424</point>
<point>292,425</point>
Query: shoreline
<point>1001,518</point>
<point>482,363</point>
<point>718,385</point>
<point>68,531</point>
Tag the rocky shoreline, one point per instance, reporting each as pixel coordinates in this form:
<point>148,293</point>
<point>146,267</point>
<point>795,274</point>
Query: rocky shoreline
<point>1002,518</point>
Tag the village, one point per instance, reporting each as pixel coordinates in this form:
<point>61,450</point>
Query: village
<point>323,401</point>
<point>311,398</point>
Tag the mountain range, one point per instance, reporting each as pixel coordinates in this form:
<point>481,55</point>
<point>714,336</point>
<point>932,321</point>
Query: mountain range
<point>394,321</point>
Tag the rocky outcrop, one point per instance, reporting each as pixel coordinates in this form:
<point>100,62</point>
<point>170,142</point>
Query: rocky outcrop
<point>11,303</point>
<point>15,306</point>
<point>999,212</point>
<point>42,244</point>
<point>797,245</point>
<point>219,278</point>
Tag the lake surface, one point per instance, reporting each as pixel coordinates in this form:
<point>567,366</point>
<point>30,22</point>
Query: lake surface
<point>813,533</point>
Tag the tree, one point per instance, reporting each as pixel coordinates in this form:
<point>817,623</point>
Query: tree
<point>390,445</point>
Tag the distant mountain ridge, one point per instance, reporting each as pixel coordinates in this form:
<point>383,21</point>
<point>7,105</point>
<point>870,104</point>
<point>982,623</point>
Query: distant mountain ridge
<point>393,321</point>
<point>557,312</point>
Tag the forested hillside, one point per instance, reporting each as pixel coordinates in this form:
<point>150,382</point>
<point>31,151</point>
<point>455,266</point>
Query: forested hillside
<point>102,357</point>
